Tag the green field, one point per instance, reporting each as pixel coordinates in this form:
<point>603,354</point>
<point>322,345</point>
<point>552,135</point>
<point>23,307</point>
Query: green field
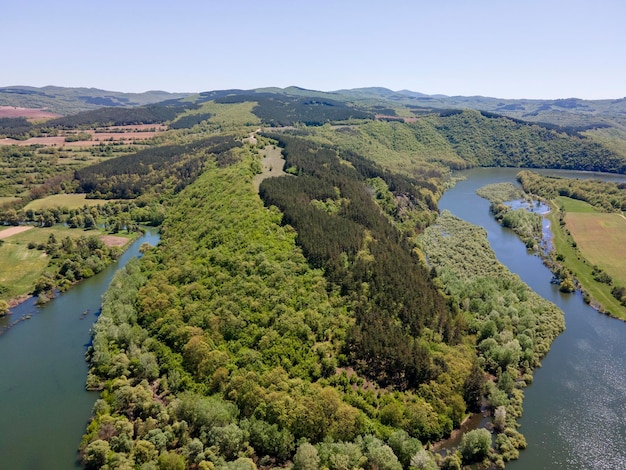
<point>71,201</point>
<point>600,239</point>
<point>572,206</point>
<point>20,267</point>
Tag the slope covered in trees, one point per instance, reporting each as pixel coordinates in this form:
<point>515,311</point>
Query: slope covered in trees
<point>170,166</point>
<point>604,195</point>
<point>281,110</point>
<point>497,141</point>
<point>68,101</point>
<point>224,345</point>
<point>151,114</point>
<point>306,325</point>
<point>342,230</point>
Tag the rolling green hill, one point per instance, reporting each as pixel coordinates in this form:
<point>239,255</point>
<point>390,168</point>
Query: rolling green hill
<point>67,101</point>
<point>300,319</point>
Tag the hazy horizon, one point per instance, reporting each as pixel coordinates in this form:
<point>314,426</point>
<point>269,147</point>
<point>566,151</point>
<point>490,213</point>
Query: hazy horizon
<point>507,50</point>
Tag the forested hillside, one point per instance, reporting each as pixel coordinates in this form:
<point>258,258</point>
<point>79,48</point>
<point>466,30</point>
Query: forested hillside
<point>233,348</point>
<point>68,101</point>
<point>333,318</point>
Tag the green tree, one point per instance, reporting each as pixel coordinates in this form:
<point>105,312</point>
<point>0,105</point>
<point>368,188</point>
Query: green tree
<point>96,454</point>
<point>171,461</point>
<point>423,460</point>
<point>306,458</point>
<point>475,445</point>
<point>473,388</point>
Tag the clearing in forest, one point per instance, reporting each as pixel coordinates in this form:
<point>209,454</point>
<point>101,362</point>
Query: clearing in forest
<point>273,164</point>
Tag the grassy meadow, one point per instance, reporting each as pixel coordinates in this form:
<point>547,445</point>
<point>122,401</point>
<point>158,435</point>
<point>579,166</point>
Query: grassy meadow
<point>20,267</point>
<point>599,238</point>
<point>71,201</point>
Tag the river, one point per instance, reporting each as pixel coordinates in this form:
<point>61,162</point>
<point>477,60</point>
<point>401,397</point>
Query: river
<point>44,407</point>
<point>575,410</point>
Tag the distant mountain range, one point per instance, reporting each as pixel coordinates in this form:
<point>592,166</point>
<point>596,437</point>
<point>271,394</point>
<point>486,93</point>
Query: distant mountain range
<point>67,101</point>
<point>571,112</point>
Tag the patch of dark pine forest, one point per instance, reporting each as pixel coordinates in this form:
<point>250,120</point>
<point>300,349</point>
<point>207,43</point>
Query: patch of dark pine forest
<point>366,257</point>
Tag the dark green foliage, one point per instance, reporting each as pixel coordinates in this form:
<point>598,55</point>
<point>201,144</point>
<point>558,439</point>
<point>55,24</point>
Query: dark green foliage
<point>67,101</point>
<point>599,275</point>
<point>73,260</point>
<point>281,110</point>
<point>131,175</point>
<point>151,114</point>
<point>500,141</point>
<point>190,120</point>
<point>619,292</point>
<point>604,195</point>
<point>364,255</point>
<point>474,387</point>
<point>14,127</point>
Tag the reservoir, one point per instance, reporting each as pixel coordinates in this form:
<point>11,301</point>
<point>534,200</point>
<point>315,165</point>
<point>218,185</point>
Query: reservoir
<point>44,407</point>
<point>575,410</point>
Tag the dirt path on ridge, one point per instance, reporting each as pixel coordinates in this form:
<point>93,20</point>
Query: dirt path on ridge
<point>273,164</point>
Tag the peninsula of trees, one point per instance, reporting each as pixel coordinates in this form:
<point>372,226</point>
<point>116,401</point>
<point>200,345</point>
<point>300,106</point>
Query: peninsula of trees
<point>331,319</point>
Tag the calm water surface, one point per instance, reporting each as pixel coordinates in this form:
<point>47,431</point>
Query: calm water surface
<point>44,407</point>
<point>575,411</point>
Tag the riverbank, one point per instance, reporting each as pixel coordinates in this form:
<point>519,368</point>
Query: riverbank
<point>27,266</point>
<point>43,384</point>
<point>566,259</point>
<point>514,326</point>
<point>572,416</point>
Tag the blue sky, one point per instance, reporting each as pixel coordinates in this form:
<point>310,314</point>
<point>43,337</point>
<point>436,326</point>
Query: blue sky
<point>501,48</point>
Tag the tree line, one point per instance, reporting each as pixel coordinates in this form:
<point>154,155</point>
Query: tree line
<point>174,166</point>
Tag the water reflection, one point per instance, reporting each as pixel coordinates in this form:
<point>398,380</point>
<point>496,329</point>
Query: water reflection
<point>45,408</point>
<point>575,411</point>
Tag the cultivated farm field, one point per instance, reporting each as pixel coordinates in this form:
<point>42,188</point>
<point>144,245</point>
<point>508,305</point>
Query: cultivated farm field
<point>100,135</point>
<point>591,238</point>
<point>601,238</point>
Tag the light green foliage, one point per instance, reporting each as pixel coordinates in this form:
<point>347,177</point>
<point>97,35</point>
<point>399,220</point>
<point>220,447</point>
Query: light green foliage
<point>404,446</point>
<point>423,460</point>
<point>96,454</point>
<point>514,326</point>
<point>527,224</point>
<point>414,148</point>
<point>223,342</point>
<point>306,458</point>
<point>451,462</point>
<point>379,455</point>
<point>483,139</point>
<point>229,439</point>
<point>475,445</point>
<point>603,195</point>
<point>341,455</point>
<point>506,448</point>
<point>171,461</point>
<point>501,192</point>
